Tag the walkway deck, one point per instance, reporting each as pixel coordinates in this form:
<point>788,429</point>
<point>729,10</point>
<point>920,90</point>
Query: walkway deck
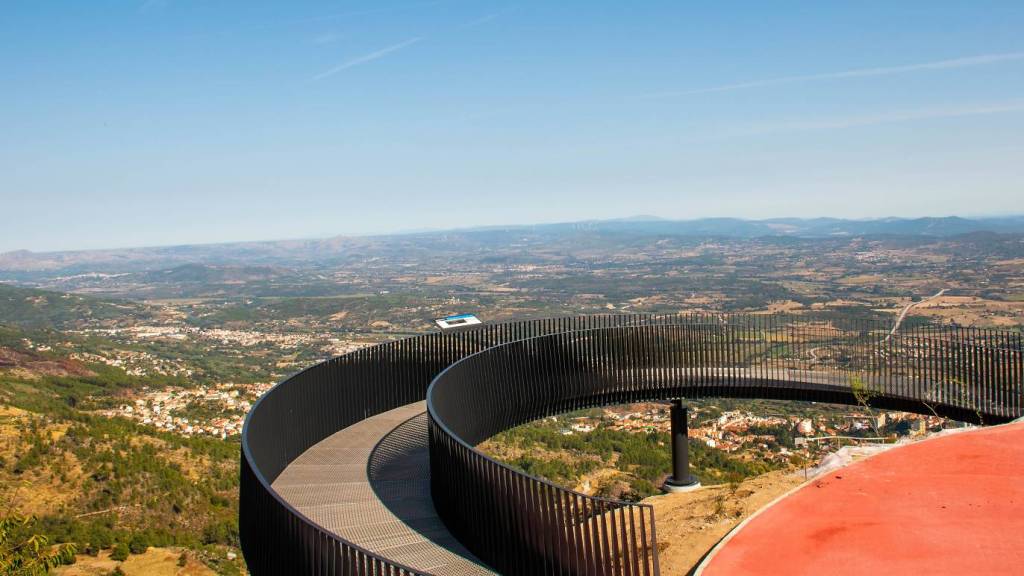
<point>370,484</point>
<point>949,505</point>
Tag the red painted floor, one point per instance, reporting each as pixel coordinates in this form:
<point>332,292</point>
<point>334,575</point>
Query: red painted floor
<point>950,505</point>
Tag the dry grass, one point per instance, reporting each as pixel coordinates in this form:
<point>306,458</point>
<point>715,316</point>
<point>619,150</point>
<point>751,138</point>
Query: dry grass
<point>155,562</point>
<point>193,466</point>
<point>862,280</point>
<point>35,492</point>
<point>691,523</point>
<point>972,311</point>
<point>784,307</point>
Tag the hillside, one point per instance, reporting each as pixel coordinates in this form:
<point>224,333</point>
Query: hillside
<point>98,481</point>
<point>27,307</point>
<point>610,463</point>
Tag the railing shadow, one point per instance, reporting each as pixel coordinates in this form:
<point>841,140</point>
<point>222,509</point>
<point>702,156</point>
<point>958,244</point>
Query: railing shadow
<point>399,473</point>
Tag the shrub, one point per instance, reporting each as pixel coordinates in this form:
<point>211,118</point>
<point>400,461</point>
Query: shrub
<point>138,544</point>
<point>120,552</point>
<point>223,532</point>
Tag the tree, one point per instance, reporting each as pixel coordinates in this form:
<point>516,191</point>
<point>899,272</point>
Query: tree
<point>138,544</point>
<point>222,532</point>
<point>29,555</point>
<point>863,394</point>
<point>120,552</point>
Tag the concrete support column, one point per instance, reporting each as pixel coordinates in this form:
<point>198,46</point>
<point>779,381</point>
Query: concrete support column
<point>681,480</point>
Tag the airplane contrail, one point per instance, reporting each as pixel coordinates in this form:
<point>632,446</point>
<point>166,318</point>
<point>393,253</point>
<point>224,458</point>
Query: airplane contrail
<point>965,62</point>
<point>376,55</point>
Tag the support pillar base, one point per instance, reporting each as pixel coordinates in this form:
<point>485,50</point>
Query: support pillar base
<point>672,486</point>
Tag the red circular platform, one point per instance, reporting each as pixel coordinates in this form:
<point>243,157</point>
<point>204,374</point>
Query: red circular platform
<point>948,505</point>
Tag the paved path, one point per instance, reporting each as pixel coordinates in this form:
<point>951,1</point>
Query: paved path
<point>370,484</point>
<point>908,307</point>
<point>950,505</point>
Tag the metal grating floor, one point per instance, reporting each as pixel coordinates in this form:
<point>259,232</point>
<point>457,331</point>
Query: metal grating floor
<point>370,484</point>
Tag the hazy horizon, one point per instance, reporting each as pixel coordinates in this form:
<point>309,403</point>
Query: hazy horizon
<point>403,232</point>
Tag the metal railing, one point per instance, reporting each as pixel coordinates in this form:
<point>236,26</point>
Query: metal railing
<point>317,402</point>
<point>501,375</point>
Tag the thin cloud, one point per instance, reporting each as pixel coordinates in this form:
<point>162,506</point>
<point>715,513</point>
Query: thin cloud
<point>839,123</point>
<point>365,58</point>
<point>485,19</point>
<point>481,20</point>
<point>966,62</point>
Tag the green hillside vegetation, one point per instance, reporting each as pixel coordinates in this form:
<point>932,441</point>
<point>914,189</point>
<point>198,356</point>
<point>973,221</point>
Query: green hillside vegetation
<point>345,311</point>
<point>643,459</point>
<point>51,383</point>
<point>209,363</point>
<point>100,483</point>
<point>30,308</point>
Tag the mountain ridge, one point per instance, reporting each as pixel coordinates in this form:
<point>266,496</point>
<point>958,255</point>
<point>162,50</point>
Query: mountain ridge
<point>274,252</point>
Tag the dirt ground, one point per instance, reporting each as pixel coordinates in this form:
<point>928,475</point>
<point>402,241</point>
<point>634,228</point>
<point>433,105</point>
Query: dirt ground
<point>691,523</point>
<point>155,562</point>
<point>972,311</point>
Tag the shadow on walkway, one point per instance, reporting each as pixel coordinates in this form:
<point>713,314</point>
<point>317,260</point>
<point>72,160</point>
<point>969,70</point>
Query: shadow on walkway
<point>399,474</point>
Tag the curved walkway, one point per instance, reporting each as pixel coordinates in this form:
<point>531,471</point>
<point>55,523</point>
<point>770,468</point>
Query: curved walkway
<point>370,484</point>
<point>948,505</point>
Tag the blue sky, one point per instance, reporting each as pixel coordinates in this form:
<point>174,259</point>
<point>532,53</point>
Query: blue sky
<point>183,121</point>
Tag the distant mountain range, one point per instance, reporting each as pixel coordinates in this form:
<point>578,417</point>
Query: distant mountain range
<point>798,227</point>
<point>311,251</point>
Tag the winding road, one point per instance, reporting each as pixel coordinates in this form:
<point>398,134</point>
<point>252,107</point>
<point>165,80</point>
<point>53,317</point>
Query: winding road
<point>908,307</point>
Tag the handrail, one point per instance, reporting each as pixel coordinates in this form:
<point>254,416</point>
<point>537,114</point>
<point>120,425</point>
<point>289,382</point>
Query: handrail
<point>317,402</point>
<point>522,524</point>
<point>493,509</point>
